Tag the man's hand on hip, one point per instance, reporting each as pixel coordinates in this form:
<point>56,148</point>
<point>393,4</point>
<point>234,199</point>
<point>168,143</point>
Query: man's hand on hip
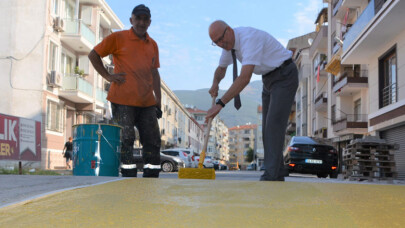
<point>117,78</point>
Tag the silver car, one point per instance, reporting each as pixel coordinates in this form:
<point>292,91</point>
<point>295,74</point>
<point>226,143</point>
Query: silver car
<point>184,154</point>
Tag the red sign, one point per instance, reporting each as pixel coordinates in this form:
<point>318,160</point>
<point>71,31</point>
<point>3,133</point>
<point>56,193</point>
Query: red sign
<point>20,139</point>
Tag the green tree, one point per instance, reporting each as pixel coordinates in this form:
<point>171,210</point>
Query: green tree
<point>249,155</point>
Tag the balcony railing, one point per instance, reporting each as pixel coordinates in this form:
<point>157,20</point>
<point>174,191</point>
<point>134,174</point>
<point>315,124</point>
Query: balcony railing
<point>323,96</point>
<point>348,78</point>
<point>359,25</point>
<point>389,94</point>
<point>77,27</point>
<point>351,121</point>
<point>101,95</point>
<point>76,83</point>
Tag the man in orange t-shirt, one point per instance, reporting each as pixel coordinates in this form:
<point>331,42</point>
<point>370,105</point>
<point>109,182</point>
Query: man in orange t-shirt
<point>135,90</point>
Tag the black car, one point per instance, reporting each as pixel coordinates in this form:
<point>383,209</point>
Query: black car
<point>312,156</point>
<point>168,163</point>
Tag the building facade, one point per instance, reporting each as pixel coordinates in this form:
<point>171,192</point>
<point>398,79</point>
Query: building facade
<point>241,138</point>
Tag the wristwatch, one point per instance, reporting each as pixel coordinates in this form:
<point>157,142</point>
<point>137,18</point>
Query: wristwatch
<point>218,101</point>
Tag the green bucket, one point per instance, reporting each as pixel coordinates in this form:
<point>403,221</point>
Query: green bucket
<point>96,150</point>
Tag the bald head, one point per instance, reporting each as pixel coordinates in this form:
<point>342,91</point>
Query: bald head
<point>217,27</point>
<point>221,34</point>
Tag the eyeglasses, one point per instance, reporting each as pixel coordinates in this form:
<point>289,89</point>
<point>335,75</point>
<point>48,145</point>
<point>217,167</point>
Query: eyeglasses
<point>214,43</point>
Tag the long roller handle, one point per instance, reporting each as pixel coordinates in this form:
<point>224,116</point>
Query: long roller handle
<point>207,136</point>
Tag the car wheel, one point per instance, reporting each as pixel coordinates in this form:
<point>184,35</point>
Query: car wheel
<point>322,175</point>
<point>167,167</point>
<point>333,175</point>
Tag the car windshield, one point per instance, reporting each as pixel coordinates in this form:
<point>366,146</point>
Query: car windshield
<point>186,151</point>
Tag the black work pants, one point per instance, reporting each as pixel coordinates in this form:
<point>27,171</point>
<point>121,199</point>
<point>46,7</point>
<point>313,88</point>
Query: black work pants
<point>279,88</point>
<point>145,120</point>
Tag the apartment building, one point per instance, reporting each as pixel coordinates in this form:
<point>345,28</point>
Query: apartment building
<point>47,73</point>
<point>300,47</point>
<point>373,45</point>
<point>178,127</point>
<point>241,138</point>
<point>218,142</point>
<point>318,80</point>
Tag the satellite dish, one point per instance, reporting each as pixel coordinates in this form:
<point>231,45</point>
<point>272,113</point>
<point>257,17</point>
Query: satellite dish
<point>310,40</point>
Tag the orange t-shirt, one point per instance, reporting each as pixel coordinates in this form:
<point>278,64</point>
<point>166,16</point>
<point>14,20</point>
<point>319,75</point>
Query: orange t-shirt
<point>136,58</point>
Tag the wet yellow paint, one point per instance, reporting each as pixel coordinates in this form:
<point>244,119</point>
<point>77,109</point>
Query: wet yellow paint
<point>208,203</point>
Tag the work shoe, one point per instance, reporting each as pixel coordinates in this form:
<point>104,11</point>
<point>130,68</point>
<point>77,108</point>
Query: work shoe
<point>128,172</point>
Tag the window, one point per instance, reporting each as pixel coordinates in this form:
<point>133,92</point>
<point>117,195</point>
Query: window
<point>55,7</point>
<point>67,64</point>
<point>313,125</point>
<point>388,78</point>
<point>54,116</point>
<point>357,110</point>
<point>333,113</point>
<point>53,54</point>
<point>247,131</point>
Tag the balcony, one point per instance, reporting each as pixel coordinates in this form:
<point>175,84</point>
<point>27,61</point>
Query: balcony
<point>333,65</point>
<point>101,97</point>
<point>321,102</point>
<point>321,133</point>
<point>348,4</point>
<point>351,123</point>
<point>348,85</point>
<point>320,43</point>
<point>364,38</point>
<point>76,89</point>
<point>78,36</point>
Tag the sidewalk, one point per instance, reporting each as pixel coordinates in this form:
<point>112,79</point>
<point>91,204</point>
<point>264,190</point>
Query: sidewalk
<point>141,202</point>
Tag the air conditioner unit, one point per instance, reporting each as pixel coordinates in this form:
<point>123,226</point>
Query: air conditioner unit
<point>55,79</point>
<point>59,24</point>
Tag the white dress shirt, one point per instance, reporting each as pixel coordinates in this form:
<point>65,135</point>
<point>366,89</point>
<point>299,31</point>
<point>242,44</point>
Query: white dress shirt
<point>256,47</point>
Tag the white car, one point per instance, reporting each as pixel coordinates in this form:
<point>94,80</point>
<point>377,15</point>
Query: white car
<point>208,162</point>
<point>184,154</point>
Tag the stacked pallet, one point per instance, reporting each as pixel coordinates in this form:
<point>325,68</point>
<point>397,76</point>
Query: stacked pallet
<point>369,160</point>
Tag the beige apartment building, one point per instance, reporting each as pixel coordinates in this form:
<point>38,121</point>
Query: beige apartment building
<point>48,77</point>
<point>178,127</point>
<point>241,138</point>
<point>217,147</point>
<point>355,87</point>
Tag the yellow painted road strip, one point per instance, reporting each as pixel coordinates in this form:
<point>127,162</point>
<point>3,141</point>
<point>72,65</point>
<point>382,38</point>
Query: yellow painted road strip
<point>208,203</point>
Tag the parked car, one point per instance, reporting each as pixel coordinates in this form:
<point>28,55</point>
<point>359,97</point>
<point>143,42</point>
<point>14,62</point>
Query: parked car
<point>312,156</point>
<point>168,163</point>
<point>186,155</point>
<point>208,162</point>
<point>251,166</point>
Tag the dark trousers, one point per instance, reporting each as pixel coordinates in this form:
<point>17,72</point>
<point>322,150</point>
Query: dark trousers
<point>279,88</point>
<point>145,120</point>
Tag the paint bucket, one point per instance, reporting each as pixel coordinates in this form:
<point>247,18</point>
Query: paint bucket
<point>96,149</point>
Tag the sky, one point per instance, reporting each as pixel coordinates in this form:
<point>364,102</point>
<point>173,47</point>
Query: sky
<point>180,28</point>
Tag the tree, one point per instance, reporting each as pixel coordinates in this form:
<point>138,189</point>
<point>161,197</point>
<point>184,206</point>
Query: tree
<point>249,155</point>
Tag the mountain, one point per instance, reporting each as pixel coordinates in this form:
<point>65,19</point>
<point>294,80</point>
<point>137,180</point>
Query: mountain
<point>251,97</point>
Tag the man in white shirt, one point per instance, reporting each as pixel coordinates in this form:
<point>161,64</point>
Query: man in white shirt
<point>262,54</point>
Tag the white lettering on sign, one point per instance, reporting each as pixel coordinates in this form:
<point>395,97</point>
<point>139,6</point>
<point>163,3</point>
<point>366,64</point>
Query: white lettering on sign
<point>8,133</point>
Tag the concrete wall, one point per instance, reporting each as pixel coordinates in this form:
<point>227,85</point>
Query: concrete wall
<point>23,41</point>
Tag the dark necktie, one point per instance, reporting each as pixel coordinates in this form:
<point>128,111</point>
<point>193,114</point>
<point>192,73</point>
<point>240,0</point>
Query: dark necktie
<point>236,99</point>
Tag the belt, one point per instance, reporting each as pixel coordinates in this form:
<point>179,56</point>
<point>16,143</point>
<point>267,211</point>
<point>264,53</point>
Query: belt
<point>284,64</point>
